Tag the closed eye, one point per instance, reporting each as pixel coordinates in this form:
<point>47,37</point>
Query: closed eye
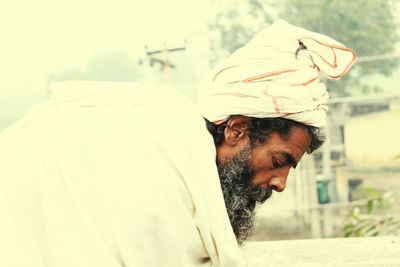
<point>280,160</point>
<point>277,163</point>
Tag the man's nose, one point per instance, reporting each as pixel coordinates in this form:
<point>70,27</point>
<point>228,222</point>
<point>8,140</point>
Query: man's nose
<point>278,182</point>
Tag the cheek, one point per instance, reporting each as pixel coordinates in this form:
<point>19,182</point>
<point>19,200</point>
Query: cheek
<point>261,177</point>
<point>257,163</point>
<point>262,171</point>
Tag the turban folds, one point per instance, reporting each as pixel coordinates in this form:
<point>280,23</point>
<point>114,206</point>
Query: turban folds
<point>276,75</point>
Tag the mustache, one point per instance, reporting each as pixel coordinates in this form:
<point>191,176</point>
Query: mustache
<point>256,194</point>
<point>260,195</point>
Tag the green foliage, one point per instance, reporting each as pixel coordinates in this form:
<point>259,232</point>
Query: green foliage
<point>375,219</point>
<point>368,27</point>
<point>232,32</point>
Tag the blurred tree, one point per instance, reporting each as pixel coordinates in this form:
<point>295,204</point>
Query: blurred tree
<point>236,22</point>
<point>115,66</point>
<point>368,27</point>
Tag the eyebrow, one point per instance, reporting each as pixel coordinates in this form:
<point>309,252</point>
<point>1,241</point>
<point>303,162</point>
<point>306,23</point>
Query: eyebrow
<point>290,159</point>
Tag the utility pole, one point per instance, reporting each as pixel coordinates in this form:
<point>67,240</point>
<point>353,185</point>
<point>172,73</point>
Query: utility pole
<point>162,58</point>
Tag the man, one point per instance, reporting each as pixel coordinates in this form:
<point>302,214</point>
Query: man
<point>273,82</point>
<point>127,174</point>
<point>265,150</point>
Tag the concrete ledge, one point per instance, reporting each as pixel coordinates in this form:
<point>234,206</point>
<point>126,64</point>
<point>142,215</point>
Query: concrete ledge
<point>335,252</point>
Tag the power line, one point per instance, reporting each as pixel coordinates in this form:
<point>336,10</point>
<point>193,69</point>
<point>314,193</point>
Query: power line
<point>378,58</point>
<point>365,98</point>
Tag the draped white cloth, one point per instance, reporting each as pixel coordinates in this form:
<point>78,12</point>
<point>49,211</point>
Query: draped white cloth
<point>276,75</point>
<point>112,174</point>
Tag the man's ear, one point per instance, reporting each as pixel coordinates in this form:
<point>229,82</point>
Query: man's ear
<point>236,130</point>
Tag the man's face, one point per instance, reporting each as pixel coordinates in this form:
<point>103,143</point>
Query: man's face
<point>249,176</point>
<point>272,161</point>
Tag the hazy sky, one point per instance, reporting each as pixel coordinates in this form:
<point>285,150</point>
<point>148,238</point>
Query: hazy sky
<point>50,36</point>
<point>45,36</point>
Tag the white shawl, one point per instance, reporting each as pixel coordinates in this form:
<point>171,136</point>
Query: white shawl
<point>112,175</point>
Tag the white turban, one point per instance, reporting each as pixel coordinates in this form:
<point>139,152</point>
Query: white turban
<point>276,75</point>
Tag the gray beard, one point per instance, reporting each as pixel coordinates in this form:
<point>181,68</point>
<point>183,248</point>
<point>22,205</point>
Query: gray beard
<point>241,198</point>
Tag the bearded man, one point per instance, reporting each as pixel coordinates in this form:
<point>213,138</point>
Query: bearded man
<point>128,174</point>
<point>268,149</point>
